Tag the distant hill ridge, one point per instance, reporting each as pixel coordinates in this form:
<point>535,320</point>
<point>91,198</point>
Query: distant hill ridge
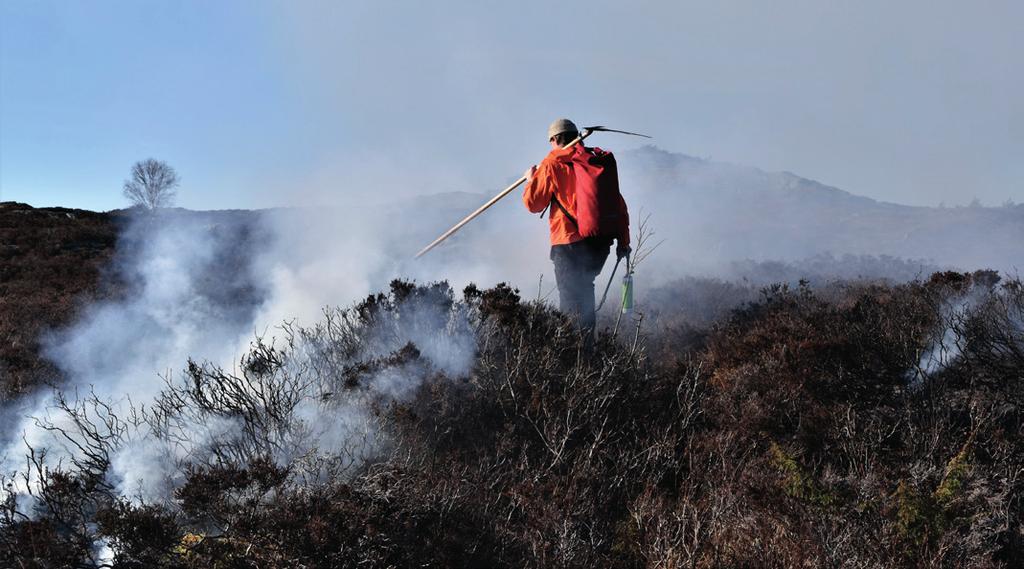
<point>670,166</point>
<point>739,212</point>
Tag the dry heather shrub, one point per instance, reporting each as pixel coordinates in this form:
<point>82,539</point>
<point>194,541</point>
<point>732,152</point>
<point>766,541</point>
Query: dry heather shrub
<point>545,442</point>
<point>809,428</point>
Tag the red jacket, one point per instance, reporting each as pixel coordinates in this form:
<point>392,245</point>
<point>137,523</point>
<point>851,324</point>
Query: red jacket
<point>555,179</point>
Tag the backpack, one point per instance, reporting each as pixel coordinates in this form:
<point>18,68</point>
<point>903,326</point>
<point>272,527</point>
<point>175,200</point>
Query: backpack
<point>600,209</point>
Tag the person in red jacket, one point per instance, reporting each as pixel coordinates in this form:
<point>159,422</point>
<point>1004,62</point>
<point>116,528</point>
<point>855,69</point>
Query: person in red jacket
<point>578,256</point>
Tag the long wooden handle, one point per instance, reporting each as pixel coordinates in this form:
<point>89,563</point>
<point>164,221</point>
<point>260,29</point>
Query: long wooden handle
<point>470,217</point>
<point>489,203</point>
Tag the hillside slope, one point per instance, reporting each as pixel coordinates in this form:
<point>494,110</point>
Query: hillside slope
<point>726,211</point>
<point>51,260</point>
<point>56,263</point>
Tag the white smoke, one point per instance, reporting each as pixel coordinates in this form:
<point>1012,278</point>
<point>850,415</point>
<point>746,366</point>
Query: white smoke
<point>200,285</point>
<point>947,347</point>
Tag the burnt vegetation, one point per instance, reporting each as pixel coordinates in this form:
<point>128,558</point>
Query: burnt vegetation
<point>849,424</point>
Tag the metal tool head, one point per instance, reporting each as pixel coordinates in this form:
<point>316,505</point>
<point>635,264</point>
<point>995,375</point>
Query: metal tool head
<point>590,129</point>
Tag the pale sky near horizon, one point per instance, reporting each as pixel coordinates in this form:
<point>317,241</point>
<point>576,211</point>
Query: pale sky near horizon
<point>267,103</point>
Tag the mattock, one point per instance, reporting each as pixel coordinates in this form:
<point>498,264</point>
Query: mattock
<point>587,131</point>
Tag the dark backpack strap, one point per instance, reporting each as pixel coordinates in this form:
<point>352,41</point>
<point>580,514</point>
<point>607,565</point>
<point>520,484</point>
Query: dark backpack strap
<point>558,204</point>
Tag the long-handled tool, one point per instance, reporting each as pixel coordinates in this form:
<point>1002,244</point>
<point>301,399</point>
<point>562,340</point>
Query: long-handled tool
<point>604,296</point>
<point>627,287</point>
<point>587,131</point>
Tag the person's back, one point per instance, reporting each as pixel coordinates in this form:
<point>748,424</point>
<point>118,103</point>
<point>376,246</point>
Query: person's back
<point>587,213</point>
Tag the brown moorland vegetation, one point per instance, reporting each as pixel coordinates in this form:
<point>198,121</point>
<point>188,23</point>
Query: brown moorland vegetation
<point>50,265</point>
<point>853,425</point>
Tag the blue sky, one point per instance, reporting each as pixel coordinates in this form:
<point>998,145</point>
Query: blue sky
<point>262,104</point>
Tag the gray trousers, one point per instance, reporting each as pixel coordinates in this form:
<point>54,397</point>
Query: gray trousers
<point>576,266</point>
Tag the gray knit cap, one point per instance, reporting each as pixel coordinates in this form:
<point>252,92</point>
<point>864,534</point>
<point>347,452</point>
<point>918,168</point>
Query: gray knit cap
<point>560,126</point>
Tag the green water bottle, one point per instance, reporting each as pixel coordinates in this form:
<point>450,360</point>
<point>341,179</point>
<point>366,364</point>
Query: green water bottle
<point>627,293</point>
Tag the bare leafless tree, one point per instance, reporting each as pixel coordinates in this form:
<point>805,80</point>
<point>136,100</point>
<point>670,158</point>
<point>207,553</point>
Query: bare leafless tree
<point>151,184</point>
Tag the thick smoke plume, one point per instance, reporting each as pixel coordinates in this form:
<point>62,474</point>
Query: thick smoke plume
<point>198,287</point>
